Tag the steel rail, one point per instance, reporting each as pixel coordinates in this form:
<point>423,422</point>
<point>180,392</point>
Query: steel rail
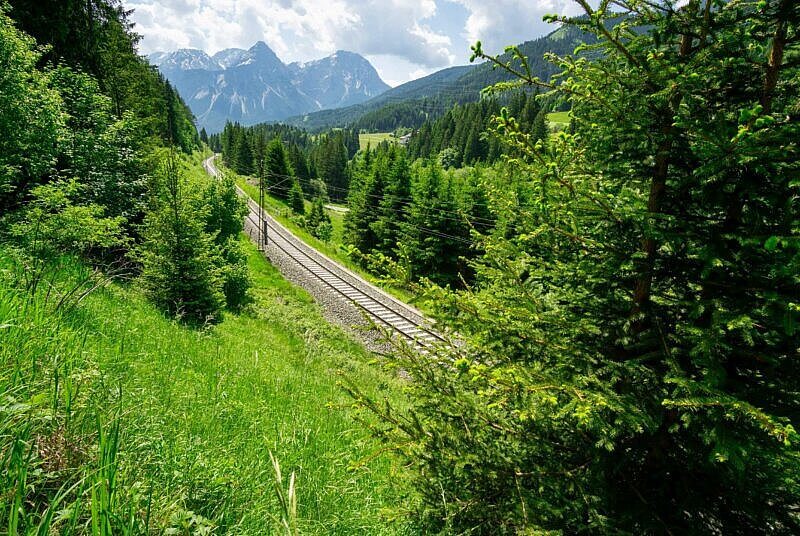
<point>398,317</point>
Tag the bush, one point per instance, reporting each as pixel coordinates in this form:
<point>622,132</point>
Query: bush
<point>235,275</point>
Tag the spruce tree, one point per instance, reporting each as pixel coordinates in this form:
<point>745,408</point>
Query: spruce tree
<point>627,359</point>
<point>277,169</point>
<point>180,268</point>
<point>296,200</point>
<point>243,159</point>
<point>392,208</point>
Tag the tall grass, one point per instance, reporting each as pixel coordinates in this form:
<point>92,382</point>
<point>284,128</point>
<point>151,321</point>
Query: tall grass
<point>45,402</point>
<point>117,420</point>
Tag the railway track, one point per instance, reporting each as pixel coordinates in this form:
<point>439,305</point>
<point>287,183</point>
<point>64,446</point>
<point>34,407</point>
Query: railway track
<point>384,310</point>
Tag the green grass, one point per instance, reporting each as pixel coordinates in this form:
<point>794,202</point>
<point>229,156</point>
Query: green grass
<point>117,420</point>
<point>198,412</point>
<point>559,118</point>
<point>374,139</point>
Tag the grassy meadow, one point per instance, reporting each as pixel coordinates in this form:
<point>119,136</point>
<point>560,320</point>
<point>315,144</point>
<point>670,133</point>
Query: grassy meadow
<point>118,420</point>
<point>558,120</point>
<point>375,138</point>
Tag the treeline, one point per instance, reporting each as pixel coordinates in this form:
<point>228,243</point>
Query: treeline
<point>93,159</point>
<point>286,156</point>
<point>626,357</point>
<point>96,37</point>
<point>415,214</point>
<point>459,137</point>
<point>407,113</point>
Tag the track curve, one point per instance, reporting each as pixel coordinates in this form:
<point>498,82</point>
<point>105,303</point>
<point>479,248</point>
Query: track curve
<point>384,310</point>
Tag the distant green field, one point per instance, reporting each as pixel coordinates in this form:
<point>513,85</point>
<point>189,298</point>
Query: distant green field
<point>558,118</point>
<point>375,138</point>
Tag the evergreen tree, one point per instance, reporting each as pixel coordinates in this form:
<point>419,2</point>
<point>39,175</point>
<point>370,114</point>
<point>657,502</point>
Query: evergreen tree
<point>539,130</point>
<point>225,212</point>
<point>277,169</point>
<point>180,269</point>
<point>392,208</point>
<point>628,357</point>
<point>434,238</point>
<point>299,163</point>
<point>363,204</point>
<point>296,200</point>
<point>318,221</point>
<point>243,163</point>
<point>331,163</point>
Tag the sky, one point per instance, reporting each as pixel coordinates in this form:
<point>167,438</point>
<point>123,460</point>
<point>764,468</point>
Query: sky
<point>403,39</point>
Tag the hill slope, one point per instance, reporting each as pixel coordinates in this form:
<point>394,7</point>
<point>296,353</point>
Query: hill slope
<point>198,412</point>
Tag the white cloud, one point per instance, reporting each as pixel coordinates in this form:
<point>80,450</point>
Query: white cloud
<point>500,23</point>
<point>400,34</point>
<point>298,30</point>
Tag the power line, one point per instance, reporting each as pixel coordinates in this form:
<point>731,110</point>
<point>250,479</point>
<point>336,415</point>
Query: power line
<point>406,201</point>
<point>461,217</point>
<point>423,230</point>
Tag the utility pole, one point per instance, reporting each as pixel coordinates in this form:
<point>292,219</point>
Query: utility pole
<point>264,226</point>
<point>262,223</point>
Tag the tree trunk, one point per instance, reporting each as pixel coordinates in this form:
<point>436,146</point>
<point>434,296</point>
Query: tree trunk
<point>775,58</point>
<point>644,283</point>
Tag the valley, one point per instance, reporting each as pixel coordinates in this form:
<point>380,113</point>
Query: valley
<point>539,288</point>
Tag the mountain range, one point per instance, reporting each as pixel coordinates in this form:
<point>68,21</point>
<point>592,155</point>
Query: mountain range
<point>412,103</point>
<point>255,86</point>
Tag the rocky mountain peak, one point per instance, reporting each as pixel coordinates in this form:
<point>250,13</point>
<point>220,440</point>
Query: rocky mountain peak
<point>254,85</point>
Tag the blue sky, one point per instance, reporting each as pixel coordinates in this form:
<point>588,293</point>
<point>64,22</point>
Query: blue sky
<point>404,39</point>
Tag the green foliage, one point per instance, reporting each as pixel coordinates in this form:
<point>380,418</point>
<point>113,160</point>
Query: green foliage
<point>30,116</point>
<point>418,216</point>
<point>330,157</point>
<point>56,220</point>
<point>627,358</point>
<point>457,138</point>
<point>318,222</point>
<point>224,220</point>
<point>116,417</point>
<point>434,239</point>
<point>276,169</point>
<point>296,200</point>
<point>243,156</point>
<point>96,37</point>
<point>100,150</point>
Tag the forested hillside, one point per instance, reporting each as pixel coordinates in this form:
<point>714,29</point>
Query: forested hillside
<point>413,103</point>
<point>95,139</point>
<point>287,158</point>
<point>458,137</point>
